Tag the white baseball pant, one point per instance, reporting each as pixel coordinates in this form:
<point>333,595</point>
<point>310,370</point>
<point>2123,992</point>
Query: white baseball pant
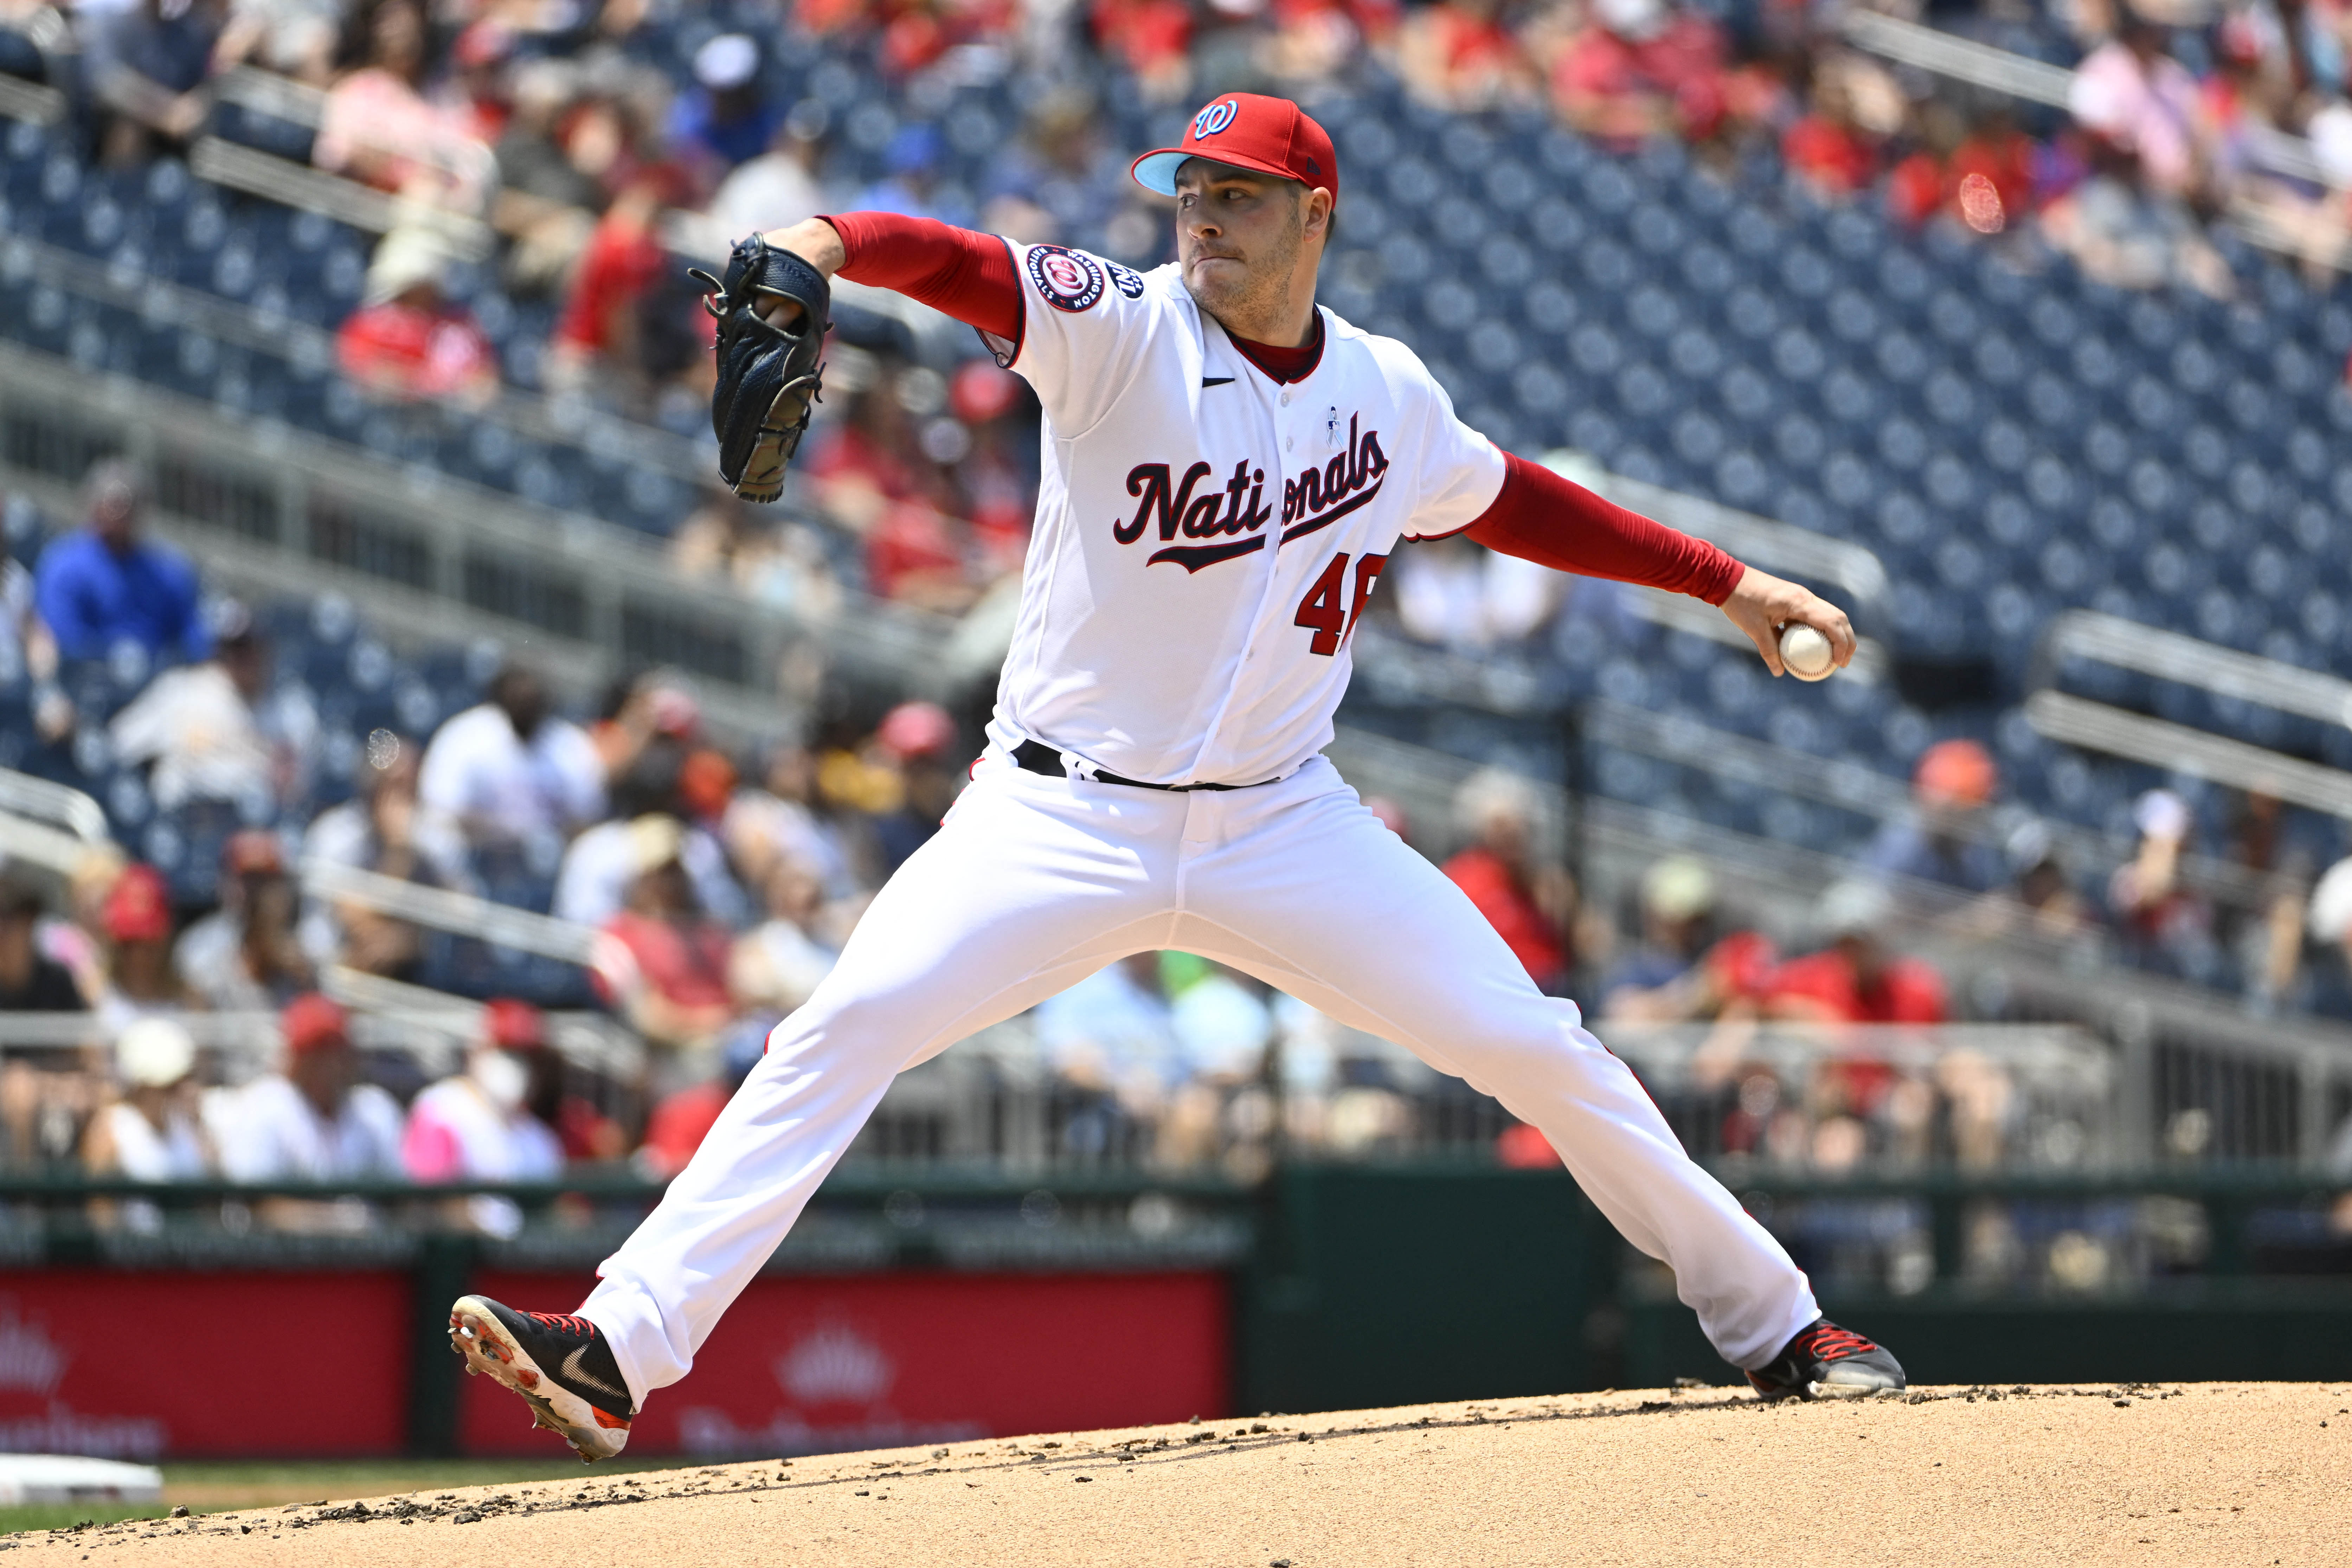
<point>1033,883</point>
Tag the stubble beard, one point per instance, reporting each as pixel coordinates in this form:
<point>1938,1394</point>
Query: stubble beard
<point>1258,293</point>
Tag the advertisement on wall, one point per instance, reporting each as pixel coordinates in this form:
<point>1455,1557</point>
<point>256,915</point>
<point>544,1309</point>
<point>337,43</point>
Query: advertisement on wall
<point>133,1366</point>
<point>808,1365</point>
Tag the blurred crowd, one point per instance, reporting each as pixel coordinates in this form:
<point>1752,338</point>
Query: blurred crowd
<point>2259,908</point>
<point>712,884</point>
<point>597,145</point>
<point>598,149</point>
<point>596,142</point>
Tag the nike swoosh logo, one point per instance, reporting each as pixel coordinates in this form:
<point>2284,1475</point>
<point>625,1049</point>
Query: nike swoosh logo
<point>1216,381</point>
<point>573,1372</point>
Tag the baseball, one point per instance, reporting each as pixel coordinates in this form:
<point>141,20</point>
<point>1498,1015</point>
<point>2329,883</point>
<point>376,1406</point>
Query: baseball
<point>1805,653</point>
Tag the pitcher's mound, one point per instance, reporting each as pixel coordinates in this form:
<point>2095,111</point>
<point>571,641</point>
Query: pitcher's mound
<point>2142,1474</point>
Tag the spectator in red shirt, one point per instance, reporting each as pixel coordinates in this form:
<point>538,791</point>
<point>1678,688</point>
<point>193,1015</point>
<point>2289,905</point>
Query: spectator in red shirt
<point>1459,55</point>
<point>1529,905</point>
<point>1831,147</point>
<point>1642,69</point>
<point>681,1120</point>
<point>874,477</point>
<point>997,476</point>
<point>913,556</point>
<point>661,962</point>
<point>600,333</point>
<point>409,342</point>
<point>1984,178</point>
<point>1992,175</point>
<point>1153,38</point>
<point>1856,980</point>
<point>1315,41</point>
<point>1918,184</point>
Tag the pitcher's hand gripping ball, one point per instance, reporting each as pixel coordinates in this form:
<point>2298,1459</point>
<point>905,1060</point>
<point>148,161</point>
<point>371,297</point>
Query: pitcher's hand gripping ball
<point>767,373</point>
<point>1805,653</point>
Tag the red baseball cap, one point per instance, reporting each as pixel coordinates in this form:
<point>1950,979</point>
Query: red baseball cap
<point>139,906</point>
<point>311,1021</point>
<point>1271,135</point>
<point>513,1026</point>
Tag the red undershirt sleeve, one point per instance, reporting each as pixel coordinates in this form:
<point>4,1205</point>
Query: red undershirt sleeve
<point>1541,517</point>
<point>962,274</point>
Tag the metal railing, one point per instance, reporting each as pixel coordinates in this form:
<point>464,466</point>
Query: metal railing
<point>1752,765</point>
<point>2259,1084</point>
<point>30,101</point>
<point>2036,81</point>
<point>2279,228</point>
<point>47,825</point>
<point>2185,660</point>
<point>1781,546</point>
<point>273,509</point>
<point>23,795</point>
<point>440,909</point>
<point>435,1028</point>
<point>2200,754</point>
<point>439,1027</point>
<point>289,184</point>
<point>1850,1099</point>
<point>1962,60</point>
<point>2170,656</point>
<point>266,92</point>
<point>158,301</point>
<point>462,914</point>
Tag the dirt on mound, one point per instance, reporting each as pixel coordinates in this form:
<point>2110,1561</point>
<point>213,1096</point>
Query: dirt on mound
<point>2219,1473</point>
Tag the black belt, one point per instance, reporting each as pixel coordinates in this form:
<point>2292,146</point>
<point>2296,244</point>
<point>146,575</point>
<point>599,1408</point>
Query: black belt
<point>1036,757</point>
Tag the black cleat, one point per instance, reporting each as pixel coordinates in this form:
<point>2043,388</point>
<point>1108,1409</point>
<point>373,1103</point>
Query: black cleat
<point>1825,1362</point>
<point>559,1364</point>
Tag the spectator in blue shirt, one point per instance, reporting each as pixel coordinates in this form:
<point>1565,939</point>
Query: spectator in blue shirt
<point>725,117</point>
<point>102,585</point>
<point>1953,787</point>
<point>911,188</point>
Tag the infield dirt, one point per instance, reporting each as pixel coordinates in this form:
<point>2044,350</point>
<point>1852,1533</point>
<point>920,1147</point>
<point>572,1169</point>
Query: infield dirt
<point>2143,1474</point>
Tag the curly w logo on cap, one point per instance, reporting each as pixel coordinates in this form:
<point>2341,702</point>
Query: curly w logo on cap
<point>1214,119</point>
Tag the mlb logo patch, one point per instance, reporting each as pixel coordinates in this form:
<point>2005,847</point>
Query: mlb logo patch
<point>1068,280</point>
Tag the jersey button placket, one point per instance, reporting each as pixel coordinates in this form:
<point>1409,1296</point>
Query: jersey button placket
<point>1248,684</point>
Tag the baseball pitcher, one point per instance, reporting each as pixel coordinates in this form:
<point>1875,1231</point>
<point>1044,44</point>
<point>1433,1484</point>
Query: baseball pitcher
<point>1227,468</point>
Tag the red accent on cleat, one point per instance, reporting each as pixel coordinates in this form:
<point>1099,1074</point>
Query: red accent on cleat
<point>607,1419</point>
<point>1829,1342</point>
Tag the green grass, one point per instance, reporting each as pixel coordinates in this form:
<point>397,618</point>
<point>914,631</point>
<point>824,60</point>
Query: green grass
<point>231,1487</point>
<point>58,1515</point>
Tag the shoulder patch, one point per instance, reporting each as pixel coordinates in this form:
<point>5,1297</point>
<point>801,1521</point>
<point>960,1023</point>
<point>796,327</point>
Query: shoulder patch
<point>1069,280</point>
<point>1126,279</point>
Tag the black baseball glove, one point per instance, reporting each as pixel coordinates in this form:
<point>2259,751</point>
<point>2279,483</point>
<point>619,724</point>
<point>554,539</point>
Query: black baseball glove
<point>768,375</point>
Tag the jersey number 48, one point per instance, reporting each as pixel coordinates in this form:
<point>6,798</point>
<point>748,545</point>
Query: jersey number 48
<point>1328,611</point>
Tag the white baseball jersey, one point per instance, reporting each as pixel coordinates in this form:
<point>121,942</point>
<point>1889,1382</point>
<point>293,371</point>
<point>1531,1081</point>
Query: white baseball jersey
<point>1206,538</point>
